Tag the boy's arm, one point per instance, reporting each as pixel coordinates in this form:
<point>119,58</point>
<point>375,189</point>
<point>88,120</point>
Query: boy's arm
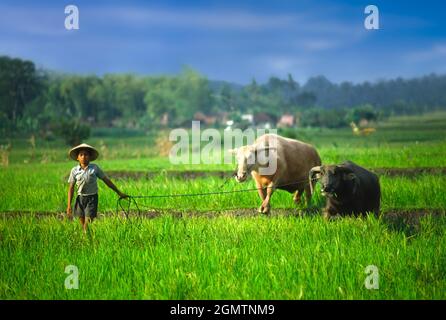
<point>70,197</point>
<point>112,186</point>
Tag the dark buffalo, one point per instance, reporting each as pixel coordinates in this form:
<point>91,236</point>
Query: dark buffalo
<point>348,188</point>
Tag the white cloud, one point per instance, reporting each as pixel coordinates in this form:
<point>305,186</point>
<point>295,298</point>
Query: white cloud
<point>280,63</point>
<point>319,44</point>
<point>436,51</point>
<point>196,18</point>
<point>308,23</point>
<point>49,21</point>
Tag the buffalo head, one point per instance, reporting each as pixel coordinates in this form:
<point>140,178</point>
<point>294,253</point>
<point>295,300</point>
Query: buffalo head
<point>335,180</point>
<point>252,157</point>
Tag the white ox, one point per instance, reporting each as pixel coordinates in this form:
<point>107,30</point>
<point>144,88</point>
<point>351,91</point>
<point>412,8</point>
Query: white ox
<point>276,162</point>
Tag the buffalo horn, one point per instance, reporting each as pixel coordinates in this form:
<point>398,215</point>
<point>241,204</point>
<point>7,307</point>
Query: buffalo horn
<point>311,174</point>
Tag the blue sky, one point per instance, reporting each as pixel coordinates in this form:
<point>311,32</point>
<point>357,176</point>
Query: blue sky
<point>230,40</point>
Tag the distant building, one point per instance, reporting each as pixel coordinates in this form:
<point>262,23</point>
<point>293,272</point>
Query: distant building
<point>229,125</point>
<point>222,118</point>
<point>207,120</point>
<point>286,121</point>
<point>264,120</point>
<point>363,122</point>
<point>248,117</point>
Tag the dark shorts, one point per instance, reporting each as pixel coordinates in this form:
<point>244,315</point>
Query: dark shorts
<point>86,206</point>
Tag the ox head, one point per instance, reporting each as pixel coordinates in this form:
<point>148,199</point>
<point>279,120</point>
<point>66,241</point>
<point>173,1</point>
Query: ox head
<point>250,158</point>
<point>335,180</point>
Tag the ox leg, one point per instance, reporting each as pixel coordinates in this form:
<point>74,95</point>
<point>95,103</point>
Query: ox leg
<point>308,195</point>
<point>265,204</point>
<point>329,213</point>
<point>297,197</point>
<point>262,195</point>
<point>376,212</point>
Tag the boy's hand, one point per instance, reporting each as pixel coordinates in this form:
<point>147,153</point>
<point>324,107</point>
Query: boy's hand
<point>69,213</point>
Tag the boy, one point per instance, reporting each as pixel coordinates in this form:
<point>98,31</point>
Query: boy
<point>85,176</point>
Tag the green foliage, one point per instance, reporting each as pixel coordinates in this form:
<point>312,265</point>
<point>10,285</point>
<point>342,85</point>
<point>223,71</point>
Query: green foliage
<point>73,132</point>
<point>32,101</point>
<point>226,257</point>
<point>6,125</point>
<point>318,117</point>
<point>366,112</point>
<point>236,254</point>
<point>179,97</point>
<point>20,84</point>
<point>115,133</point>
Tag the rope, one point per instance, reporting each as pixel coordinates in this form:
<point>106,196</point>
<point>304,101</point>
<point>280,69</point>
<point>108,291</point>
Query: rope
<point>126,212</point>
<point>132,198</point>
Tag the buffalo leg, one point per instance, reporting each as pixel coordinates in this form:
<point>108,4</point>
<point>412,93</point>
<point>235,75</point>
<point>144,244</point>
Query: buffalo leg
<point>329,212</point>
<point>297,197</point>
<point>376,212</point>
<point>265,204</point>
<point>262,194</point>
<point>308,195</point>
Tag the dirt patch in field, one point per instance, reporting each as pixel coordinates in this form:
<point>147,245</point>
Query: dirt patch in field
<point>410,172</point>
<point>154,213</point>
<point>391,215</point>
<point>408,221</point>
<point>395,220</point>
<point>407,172</point>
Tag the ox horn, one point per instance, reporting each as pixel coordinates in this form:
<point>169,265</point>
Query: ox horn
<point>314,170</point>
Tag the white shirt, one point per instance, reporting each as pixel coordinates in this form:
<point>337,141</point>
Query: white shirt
<point>86,179</point>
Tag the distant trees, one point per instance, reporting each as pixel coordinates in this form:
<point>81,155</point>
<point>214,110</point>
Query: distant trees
<point>37,101</point>
<point>73,132</point>
<point>180,97</point>
<point>365,112</point>
<point>20,85</point>
<point>416,95</point>
<point>318,117</point>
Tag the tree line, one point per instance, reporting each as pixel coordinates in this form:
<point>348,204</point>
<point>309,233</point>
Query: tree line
<point>42,102</point>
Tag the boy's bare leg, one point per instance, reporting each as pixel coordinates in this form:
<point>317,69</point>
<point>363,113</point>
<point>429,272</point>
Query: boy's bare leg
<point>84,221</point>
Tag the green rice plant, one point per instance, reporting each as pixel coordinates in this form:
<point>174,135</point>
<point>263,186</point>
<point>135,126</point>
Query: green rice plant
<point>222,258</point>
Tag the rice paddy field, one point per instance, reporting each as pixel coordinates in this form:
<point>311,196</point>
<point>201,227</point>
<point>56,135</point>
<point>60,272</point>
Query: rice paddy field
<point>218,246</point>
